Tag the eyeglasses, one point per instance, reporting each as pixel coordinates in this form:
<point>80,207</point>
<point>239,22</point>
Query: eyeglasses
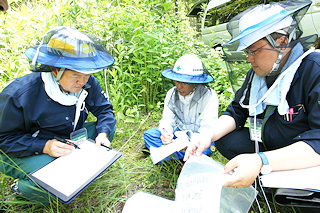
<point>253,52</point>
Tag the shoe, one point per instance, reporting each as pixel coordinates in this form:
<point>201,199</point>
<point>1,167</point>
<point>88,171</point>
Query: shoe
<point>14,187</point>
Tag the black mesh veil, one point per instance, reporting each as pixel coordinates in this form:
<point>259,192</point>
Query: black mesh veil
<point>290,13</point>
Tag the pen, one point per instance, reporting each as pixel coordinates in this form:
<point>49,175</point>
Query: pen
<point>291,111</point>
<point>66,142</point>
<point>109,148</point>
<point>165,131</point>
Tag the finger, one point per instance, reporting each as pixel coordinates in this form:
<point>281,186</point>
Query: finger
<point>64,152</point>
<point>166,142</point>
<point>200,149</point>
<point>229,184</point>
<point>61,145</point>
<point>229,167</point>
<point>165,137</point>
<point>189,151</point>
<point>58,152</point>
<point>233,180</point>
<point>106,143</point>
<point>98,142</point>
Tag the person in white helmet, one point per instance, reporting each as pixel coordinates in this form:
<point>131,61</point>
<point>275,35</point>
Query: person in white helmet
<point>280,97</point>
<point>190,105</point>
<point>53,101</point>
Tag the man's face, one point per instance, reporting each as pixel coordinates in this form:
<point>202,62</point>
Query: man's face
<point>184,88</point>
<point>263,57</point>
<point>72,81</point>
<point>3,5</point>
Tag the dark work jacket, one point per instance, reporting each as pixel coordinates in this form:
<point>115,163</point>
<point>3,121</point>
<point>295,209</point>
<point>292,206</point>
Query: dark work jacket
<point>303,96</point>
<point>29,118</point>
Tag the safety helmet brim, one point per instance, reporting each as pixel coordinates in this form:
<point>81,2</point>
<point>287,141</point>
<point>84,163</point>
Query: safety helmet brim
<point>200,79</point>
<point>87,65</point>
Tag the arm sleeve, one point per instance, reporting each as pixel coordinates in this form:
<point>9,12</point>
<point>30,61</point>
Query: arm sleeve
<point>210,113</point>
<point>14,137</point>
<point>101,108</point>
<point>234,109</point>
<point>168,118</point>
<point>311,83</point>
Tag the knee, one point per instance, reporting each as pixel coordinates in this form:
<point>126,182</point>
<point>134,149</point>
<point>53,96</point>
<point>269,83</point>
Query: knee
<point>33,193</point>
<point>152,138</point>
<point>151,133</point>
<point>235,143</point>
<point>227,146</point>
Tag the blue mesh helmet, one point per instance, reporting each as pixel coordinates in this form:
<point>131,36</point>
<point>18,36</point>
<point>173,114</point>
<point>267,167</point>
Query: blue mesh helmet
<point>68,48</point>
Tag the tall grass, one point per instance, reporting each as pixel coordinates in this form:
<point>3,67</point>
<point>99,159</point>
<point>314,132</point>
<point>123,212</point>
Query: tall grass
<point>145,37</point>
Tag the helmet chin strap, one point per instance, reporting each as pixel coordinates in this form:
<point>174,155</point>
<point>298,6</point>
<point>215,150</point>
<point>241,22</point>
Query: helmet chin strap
<point>58,77</point>
<point>276,64</point>
<point>194,88</point>
<point>60,73</point>
<point>275,67</point>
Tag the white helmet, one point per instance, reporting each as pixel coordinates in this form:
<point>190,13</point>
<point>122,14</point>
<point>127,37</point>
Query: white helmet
<point>188,68</point>
<point>261,20</point>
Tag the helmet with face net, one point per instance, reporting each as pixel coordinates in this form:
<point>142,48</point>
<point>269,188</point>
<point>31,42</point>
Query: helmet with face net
<point>262,20</point>
<point>68,48</point>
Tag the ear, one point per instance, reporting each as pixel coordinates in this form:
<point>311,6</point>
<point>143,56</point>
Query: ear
<point>283,41</point>
<point>55,71</point>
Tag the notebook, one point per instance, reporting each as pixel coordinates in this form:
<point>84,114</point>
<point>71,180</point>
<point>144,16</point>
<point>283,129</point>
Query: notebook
<point>67,176</point>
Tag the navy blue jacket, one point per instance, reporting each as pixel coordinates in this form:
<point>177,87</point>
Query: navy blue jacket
<point>29,118</point>
<point>303,96</point>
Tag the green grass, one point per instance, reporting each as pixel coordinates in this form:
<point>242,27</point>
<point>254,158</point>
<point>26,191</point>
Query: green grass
<point>133,172</point>
<point>145,37</point>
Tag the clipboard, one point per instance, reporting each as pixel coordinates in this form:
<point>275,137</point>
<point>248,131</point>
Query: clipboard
<point>300,187</point>
<point>304,179</point>
<point>67,176</point>
<point>297,197</point>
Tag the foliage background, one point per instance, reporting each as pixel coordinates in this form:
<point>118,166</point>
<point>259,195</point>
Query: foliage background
<point>145,37</point>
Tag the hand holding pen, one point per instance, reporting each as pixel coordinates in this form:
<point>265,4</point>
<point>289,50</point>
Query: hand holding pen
<point>166,137</point>
<point>58,148</point>
<point>102,140</point>
<point>67,142</point>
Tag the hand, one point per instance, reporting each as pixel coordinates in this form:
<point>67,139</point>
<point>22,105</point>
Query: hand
<point>56,148</point>
<point>245,168</point>
<point>196,147</point>
<point>102,138</point>
<point>166,138</point>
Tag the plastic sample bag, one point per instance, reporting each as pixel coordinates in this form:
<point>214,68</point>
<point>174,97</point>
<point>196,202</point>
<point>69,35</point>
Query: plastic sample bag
<point>199,190</point>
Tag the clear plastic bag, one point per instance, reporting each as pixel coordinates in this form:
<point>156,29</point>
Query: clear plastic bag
<point>199,189</point>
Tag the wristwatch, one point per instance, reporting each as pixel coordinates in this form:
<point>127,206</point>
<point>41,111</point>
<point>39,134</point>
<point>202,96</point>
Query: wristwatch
<point>266,167</point>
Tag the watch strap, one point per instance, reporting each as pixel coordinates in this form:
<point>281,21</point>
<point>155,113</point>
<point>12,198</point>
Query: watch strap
<point>263,158</point>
